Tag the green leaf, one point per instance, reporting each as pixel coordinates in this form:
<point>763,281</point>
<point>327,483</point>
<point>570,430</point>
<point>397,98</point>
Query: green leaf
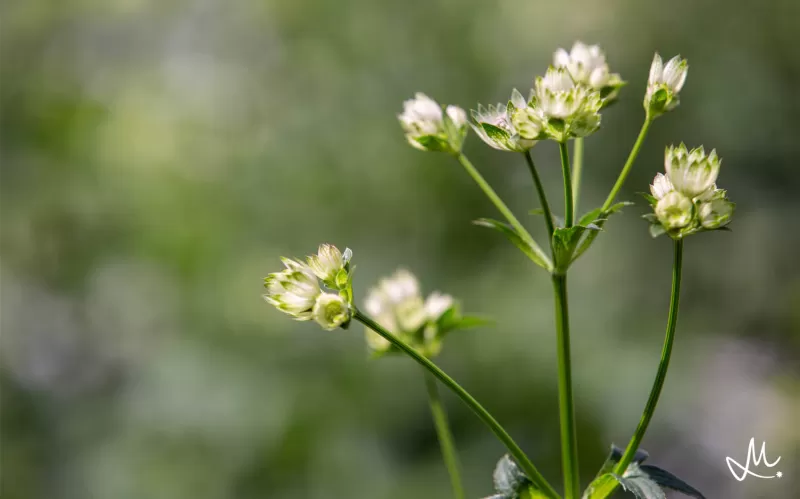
<point>657,229</point>
<point>432,143</point>
<point>615,454</point>
<point>639,483</point>
<point>536,211</point>
<point>650,199</point>
<point>532,492</point>
<point>565,242</point>
<point>650,217</point>
<point>667,479</point>
<point>515,238</point>
<point>600,486</point>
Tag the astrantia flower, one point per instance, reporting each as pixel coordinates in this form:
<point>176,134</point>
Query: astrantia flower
<point>331,311</point>
<point>330,265</point>
<point>686,200</point>
<point>293,290</point>
<point>493,125</point>
<point>587,65</point>
<point>664,85</point>
<point>559,109</point>
<point>397,305</point>
<point>428,128</point>
<point>692,173</point>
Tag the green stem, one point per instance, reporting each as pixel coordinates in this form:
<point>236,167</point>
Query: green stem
<point>628,164</point>
<point>449,453</point>
<point>494,198</point>
<point>577,169</point>
<point>524,462</point>
<point>548,215</point>
<point>568,204</point>
<point>661,374</point>
<point>566,407</point>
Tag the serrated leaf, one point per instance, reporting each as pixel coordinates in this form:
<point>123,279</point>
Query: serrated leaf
<point>615,454</point>
<point>515,239</point>
<point>666,479</point>
<point>656,230</point>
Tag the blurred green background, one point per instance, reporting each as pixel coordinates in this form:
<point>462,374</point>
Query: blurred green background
<point>158,158</point>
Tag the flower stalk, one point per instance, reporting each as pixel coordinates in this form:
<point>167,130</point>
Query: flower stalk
<point>484,415</point>
<point>445,436</point>
<point>577,171</point>
<point>569,214</point>
<point>548,215</point>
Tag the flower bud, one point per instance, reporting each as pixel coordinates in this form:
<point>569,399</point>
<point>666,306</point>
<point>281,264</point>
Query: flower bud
<point>716,213</point>
<point>330,265</point>
<point>664,85</point>
<point>494,126</point>
<point>560,109</point>
<point>429,129</point>
<point>293,290</point>
<point>587,65</point>
<point>692,173</point>
<point>675,211</point>
<point>661,186</point>
<point>331,311</point>
<point>437,304</point>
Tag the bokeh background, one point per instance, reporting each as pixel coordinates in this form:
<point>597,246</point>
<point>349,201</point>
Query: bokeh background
<point>158,157</point>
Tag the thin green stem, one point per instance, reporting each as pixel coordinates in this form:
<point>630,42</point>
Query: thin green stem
<point>577,169</point>
<point>524,462</point>
<point>629,163</point>
<point>661,374</point>
<point>446,442</point>
<point>568,204</point>
<point>548,215</point>
<point>494,198</point>
<point>566,407</point>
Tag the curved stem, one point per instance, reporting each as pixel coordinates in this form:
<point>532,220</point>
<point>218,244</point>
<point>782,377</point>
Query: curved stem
<point>661,375</point>
<point>449,454</point>
<point>566,408</point>
<point>520,457</point>
<point>628,164</point>
<point>577,169</point>
<point>548,215</point>
<point>568,205</point>
<point>494,198</point>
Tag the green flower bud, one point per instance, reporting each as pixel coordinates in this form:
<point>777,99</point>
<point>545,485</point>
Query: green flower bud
<point>331,311</point>
<point>293,290</point>
<point>716,213</point>
<point>664,85</point>
<point>330,265</point>
<point>675,211</point>
<point>692,173</point>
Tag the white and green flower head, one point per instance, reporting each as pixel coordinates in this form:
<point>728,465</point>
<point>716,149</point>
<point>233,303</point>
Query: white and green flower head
<point>331,311</point>
<point>559,108</point>
<point>686,200</point>
<point>664,85</point>
<point>429,128</point>
<point>493,125</point>
<point>396,303</point>
<point>297,290</point>
<point>332,266</point>
<point>587,65</point>
<point>293,290</point>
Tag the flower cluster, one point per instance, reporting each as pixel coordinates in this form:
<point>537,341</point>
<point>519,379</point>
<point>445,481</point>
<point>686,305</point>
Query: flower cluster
<point>587,66</point>
<point>429,128</point>
<point>664,84</point>
<point>686,200</point>
<point>296,290</point>
<point>559,108</point>
<point>396,304</point>
<point>494,125</point>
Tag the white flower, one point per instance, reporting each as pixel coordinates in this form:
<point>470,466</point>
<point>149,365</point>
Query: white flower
<point>329,265</point>
<point>664,84</point>
<point>494,126</point>
<point>560,109</point>
<point>429,129</point>
<point>331,311</point>
<point>661,186</point>
<point>675,211</point>
<point>437,304</point>
<point>692,173</point>
<point>716,213</point>
<point>293,290</point>
<point>587,65</point>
